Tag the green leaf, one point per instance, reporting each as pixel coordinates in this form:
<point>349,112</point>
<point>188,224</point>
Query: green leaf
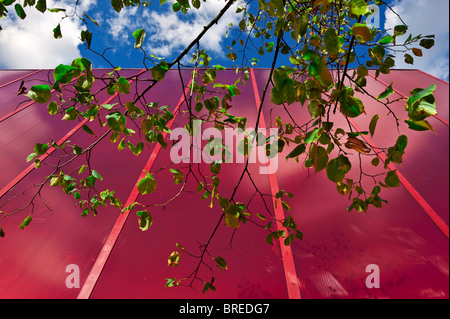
<point>300,26</point>
<point>116,121</point>
<point>232,221</point>
<point>86,36</point>
<point>375,162</point>
<point>351,106</point>
<point>41,6</point>
<point>419,125</point>
<point>90,181</point>
<point>196,4</point>
<point>40,93</point>
<point>64,73</point>
<point>214,167</point>
<point>52,108</point>
<point>174,259</point>
<point>419,93</point>
<point>392,179</point>
<point>159,71</point>
<point>289,239</point>
<point>117,5</point>
<point>198,107</point>
<point>400,30</point>
<point>147,185</point>
<point>20,12</point>
<point>221,263</point>
<point>171,282</point>
<point>319,157</point>
<point>77,150</point>
<point>97,175</point>
<point>30,157</point>
<point>387,39</point>
<point>88,130</point>
<point>331,40</point>
<point>208,286</point>
<point>358,7</point>
<point>8,2</point>
<point>2,233</point>
<point>337,168</point>
<point>421,104</point>
<point>275,235</point>
<point>123,86</point>
<point>409,59</point>
<point>145,220</point>
<point>362,71</point>
<point>40,149</point>
<point>389,90</point>
<point>184,3</point>
<point>139,35</point>
<point>294,60</point>
<point>178,176</point>
<point>82,169</point>
<point>402,142</point>
<point>313,136</point>
<point>427,43</point>
<point>315,108</point>
<point>92,20</point>
<point>25,222</point>
<point>362,32</point>
<point>373,124</point>
<point>298,150</point>
<point>57,32</point>
<point>319,70</point>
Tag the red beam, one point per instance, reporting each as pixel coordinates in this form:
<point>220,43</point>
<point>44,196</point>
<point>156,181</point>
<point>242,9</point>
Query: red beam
<point>292,282</point>
<point>31,103</point>
<point>20,78</point>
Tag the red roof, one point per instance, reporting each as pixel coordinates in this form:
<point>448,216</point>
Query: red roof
<point>407,238</point>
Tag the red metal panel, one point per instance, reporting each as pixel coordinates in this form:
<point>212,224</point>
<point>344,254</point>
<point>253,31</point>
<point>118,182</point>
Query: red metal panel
<point>8,77</point>
<point>118,226</point>
<point>407,80</point>
<point>331,260</point>
<point>292,282</point>
<point>138,264</point>
<point>56,239</point>
<point>20,132</point>
<point>426,158</point>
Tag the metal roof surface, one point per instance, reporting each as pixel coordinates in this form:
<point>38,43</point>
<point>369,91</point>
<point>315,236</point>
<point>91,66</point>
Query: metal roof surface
<point>407,239</point>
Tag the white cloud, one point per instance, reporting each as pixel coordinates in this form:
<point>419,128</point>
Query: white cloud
<point>424,17</point>
<point>29,43</point>
<point>169,32</point>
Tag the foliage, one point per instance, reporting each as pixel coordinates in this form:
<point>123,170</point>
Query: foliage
<point>329,51</point>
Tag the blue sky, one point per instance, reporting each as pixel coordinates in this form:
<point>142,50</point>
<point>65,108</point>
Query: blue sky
<point>30,44</point>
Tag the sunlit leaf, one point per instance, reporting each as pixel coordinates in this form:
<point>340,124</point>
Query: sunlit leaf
<point>147,185</point>
<point>123,86</point>
<point>145,220</point>
<point>139,35</point>
<point>40,93</point>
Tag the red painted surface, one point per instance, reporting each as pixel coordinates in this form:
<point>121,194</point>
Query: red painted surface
<point>14,76</point>
<point>410,248</point>
<point>292,282</point>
